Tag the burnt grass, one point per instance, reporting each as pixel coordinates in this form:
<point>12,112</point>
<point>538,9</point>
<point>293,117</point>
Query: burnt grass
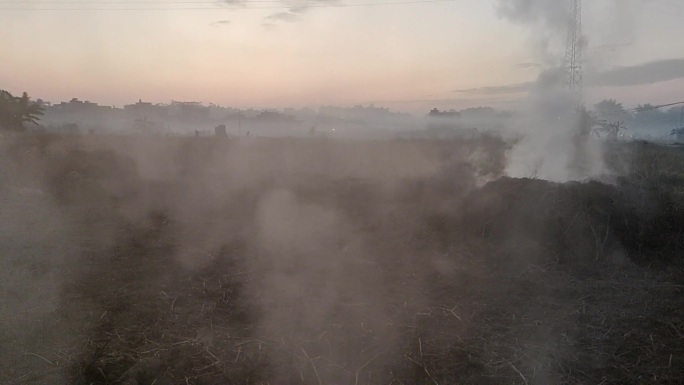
<point>513,281</point>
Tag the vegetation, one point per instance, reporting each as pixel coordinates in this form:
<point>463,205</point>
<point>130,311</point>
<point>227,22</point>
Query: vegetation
<point>392,264</point>
<point>16,112</point>
<point>645,117</point>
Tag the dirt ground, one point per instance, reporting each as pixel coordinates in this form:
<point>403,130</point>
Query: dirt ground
<point>256,261</point>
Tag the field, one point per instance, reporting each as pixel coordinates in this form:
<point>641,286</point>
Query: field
<point>144,261</point>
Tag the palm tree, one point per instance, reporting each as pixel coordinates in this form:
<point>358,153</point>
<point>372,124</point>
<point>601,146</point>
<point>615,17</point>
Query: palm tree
<point>143,124</point>
<point>611,129</point>
<point>16,111</point>
<point>30,112</point>
<point>7,110</point>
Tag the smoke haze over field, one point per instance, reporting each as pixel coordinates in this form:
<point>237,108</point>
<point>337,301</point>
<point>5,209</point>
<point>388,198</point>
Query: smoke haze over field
<point>338,192</point>
<point>279,211</point>
<point>186,242</point>
<point>137,259</point>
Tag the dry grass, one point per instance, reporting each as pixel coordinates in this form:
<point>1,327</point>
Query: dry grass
<point>521,281</point>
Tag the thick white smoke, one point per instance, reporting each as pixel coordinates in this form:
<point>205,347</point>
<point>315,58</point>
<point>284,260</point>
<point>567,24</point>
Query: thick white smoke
<point>556,142</point>
<point>548,21</point>
<point>553,145</point>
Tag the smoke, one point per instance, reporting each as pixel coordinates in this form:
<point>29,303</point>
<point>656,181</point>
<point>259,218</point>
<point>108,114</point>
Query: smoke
<point>295,261</point>
<point>38,245</point>
<point>315,276</point>
<point>556,133</point>
<point>547,20</point>
<point>556,141</point>
<point>180,207</point>
<point>609,26</point>
<point>548,14</point>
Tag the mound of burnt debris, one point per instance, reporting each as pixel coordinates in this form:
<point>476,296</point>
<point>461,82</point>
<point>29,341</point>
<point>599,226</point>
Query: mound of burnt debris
<point>579,223</point>
<point>323,279</point>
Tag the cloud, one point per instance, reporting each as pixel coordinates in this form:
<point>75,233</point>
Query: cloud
<point>293,13</point>
<point>287,17</point>
<point>448,102</point>
<point>626,76</point>
<point>300,9</point>
<point>219,23</point>
<point>499,90</point>
<point>527,65</point>
<point>646,73</point>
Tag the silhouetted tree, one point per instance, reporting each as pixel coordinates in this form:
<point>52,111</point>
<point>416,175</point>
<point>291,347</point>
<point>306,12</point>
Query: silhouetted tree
<point>649,115</point>
<point>15,112</point>
<point>610,129</point>
<point>435,113</point>
<point>480,113</point>
<point>144,125</point>
<point>584,123</point>
<point>611,110</point>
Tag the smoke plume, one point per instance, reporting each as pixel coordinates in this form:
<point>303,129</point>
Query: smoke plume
<point>556,139</point>
<point>547,20</point>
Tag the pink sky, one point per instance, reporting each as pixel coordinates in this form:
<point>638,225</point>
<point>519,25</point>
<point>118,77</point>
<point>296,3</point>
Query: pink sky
<point>390,54</point>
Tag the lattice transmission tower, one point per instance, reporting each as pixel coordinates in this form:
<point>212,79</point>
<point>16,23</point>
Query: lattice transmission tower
<point>573,49</point>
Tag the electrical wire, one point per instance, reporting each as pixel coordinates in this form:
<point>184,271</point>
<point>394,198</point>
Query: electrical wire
<point>217,2</point>
<point>642,109</point>
<point>226,6</point>
<point>639,109</point>
<point>163,2</point>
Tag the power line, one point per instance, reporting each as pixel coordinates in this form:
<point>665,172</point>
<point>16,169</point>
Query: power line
<point>640,109</point>
<point>226,6</point>
<point>163,2</point>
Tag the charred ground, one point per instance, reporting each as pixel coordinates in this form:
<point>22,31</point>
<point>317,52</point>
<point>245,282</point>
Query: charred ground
<point>197,261</point>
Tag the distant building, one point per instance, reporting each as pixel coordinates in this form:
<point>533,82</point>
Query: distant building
<point>189,111</point>
<point>78,106</point>
<point>145,109</point>
<point>220,131</point>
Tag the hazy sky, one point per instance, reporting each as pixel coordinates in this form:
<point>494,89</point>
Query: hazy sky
<point>263,53</point>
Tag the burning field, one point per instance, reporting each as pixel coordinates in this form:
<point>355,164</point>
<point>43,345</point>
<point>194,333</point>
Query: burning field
<point>304,261</point>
